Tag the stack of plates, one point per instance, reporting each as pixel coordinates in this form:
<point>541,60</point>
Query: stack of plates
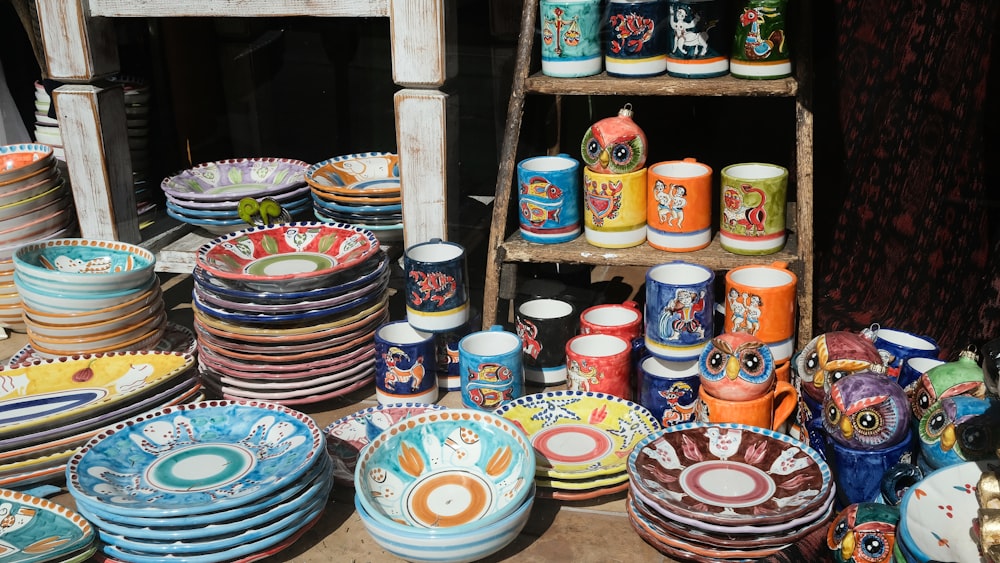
<point>51,408</point>
<point>288,313</point>
<point>137,96</point>
<point>581,440</point>
<point>35,204</point>
<point>359,189</point>
<point>723,492</point>
<point>47,128</point>
<point>208,195</point>
<point>202,482</point>
<point>38,531</point>
<point>86,296</point>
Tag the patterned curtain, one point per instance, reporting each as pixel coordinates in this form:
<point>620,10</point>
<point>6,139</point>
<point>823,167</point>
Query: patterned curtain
<point>908,228</point>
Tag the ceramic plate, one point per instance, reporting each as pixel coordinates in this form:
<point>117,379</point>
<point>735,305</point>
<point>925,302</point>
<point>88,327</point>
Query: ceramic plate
<point>341,172</point>
<point>288,257</point>
<point>52,392</point>
<point>729,474</point>
<point>224,179</point>
<point>582,494</point>
<point>346,437</point>
<point>176,338</point>
<point>35,529</point>
<point>939,513</point>
<point>294,193</point>
<point>311,398</point>
<point>583,484</point>
<point>196,458</point>
<point>281,395</point>
<point>577,434</point>
<point>392,208</point>
<point>21,160</point>
<point>304,329</point>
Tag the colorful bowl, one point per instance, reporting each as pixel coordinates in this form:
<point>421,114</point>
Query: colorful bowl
<point>337,174</point>
<point>84,265</point>
<point>18,161</point>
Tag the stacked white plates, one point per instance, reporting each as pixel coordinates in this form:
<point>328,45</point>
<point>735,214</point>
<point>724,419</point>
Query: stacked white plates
<point>35,204</point>
<point>288,313</point>
<point>209,194</point>
<point>717,492</point>
<point>47,128</point>
<point>86,296</point>
<point>137,122</point>
<point>201,483</point>
<point>50,408</point>
<point>359,189</point>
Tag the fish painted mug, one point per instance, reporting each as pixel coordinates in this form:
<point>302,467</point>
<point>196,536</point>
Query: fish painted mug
<point>491,367</point>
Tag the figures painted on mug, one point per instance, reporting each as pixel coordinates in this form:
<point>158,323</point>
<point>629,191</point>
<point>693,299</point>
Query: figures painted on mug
<point>736,366</point>
<point>681,315</point>
<point>615,145</point>
<point>866,411</point>
<point>939,430</point>
<point>864,532</point>
<point>951,379</point>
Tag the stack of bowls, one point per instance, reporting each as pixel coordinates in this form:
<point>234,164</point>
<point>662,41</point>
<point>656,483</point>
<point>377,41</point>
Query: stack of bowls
<point>448,485</point>
<point>206,482</point>
<point>726,491</point>
<point>209,194</point>
<point>35,204</point>
<point>86,296</point>
<point>288,313</point>
<point>47,128</point>
<point>37,530</point>
<point>580,446</point>
<point>55,406</point>
<point>359,189</point>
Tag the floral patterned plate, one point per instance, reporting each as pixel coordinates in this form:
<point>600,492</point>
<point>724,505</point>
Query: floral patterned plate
<point>729,474</point>
<point>35,529</point>
<point>579,434</point>
<point>194,458</point>
<point>235,178</point>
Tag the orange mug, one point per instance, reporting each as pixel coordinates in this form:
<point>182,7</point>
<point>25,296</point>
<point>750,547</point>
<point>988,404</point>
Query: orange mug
<point>770,410</point>
<point>760,300</point>
<point>679,205</point>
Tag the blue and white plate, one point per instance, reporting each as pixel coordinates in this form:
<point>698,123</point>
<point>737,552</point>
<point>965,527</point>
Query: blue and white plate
<point>36,530</point>
<point>195,458</point>
<point>366,209</point>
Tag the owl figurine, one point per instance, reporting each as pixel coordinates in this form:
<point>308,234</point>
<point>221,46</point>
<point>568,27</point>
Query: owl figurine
<point>864,532</point>
<point>830,357</point>
<point>736,366</point>
<point>614,145</point>
<point>961,377</point>
<point>866,411</point>
<point>940,440</point>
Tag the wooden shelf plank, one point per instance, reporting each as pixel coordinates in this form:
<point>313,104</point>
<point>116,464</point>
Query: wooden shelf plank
<point>238,8</point>
<point>604,85</point>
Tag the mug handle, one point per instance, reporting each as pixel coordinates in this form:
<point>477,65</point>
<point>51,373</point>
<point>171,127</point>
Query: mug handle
<point>897,479</point>
<point>786,399</point>
<point>496,328</point>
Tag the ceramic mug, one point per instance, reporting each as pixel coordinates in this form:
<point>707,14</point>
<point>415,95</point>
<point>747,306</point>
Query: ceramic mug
<point>896,346</point>
<point>449,376</point>
<point>571,38</point>
<point>492,369</point>
<point>699,43</point>
<point>437,286</point>
<point>405,364</point>
<point>600,363</point>
<point>858,473</point>
<point>770,410</point>
<point>623,320</point>
<point>753,208</point>
<point>760,43</point>
<point>636,44</point>
<point>669,390</point>
<point>615,208</point>
<point>679,205</point>
<point>679,310</point>
<point>545,325</point>
<point>549,198</point>
<point>760,300</point>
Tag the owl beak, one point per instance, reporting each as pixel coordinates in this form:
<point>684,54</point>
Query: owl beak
<point>819,378</point>
<point>605,158</point>
<point>733,368</point>
<point>847,547</point>
<point>846,427</point>
<point>948,438</point>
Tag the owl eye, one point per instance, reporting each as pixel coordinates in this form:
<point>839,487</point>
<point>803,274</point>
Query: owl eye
<point>833,415</point>
<point>715,364</point>
<point>837,533</point>
<point>590,148</point>
<point>937,421</point>
<point>754,366</point>
<point>872,546</point>
<point>868,422</point>
<point>923,400</point>
<point>836,376</point>
<point>625,156</point>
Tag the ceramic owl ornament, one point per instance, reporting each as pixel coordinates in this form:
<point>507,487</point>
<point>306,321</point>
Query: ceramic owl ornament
<point>961,377</point>
<point>866,411</point>
<point>944,427</point>
<point>736,366</point>
<point>864,532</point>
<point>614,145</point>
<point>832,356</point>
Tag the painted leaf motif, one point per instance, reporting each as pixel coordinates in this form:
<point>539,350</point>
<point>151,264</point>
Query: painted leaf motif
<point>755,453</point>
<point>410,460</point>
<point>231,262</point>
<point>690,449</point>
<point>269,244</point>
<point>326,242</point>
<point>499,462</point>
<point>598,415</point>
<point>235,175</point>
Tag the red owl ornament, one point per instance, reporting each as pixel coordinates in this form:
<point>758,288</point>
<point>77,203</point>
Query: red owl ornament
<point>614,145</point>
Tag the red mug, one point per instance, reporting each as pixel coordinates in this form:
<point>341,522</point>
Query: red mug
<point>622,320</point>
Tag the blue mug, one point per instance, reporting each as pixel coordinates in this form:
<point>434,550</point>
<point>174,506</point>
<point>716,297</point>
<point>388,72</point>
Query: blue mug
<point>405,364</point>
<point>549,198</point>
<point>491,366</point>
<point>680,307</point>
<point>437,286</point>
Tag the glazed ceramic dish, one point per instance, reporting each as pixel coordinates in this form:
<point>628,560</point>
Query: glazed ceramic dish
<point>65,300</point>
<point>195,458</point>
<point>305,330</point>
<point>69,388</point>
<point>344,171</point>
<point>579,434</point>
<point>176,338</point>
<point>18,161</point>
<point>287,257</point>
<point>347,436</point>
<point>455,468</point>
<point>85,265</point>
<point>235,178</point>
<point>939,514</point>
<point>729,474</point>
<point>38,530</point>
<point>294,193</point>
